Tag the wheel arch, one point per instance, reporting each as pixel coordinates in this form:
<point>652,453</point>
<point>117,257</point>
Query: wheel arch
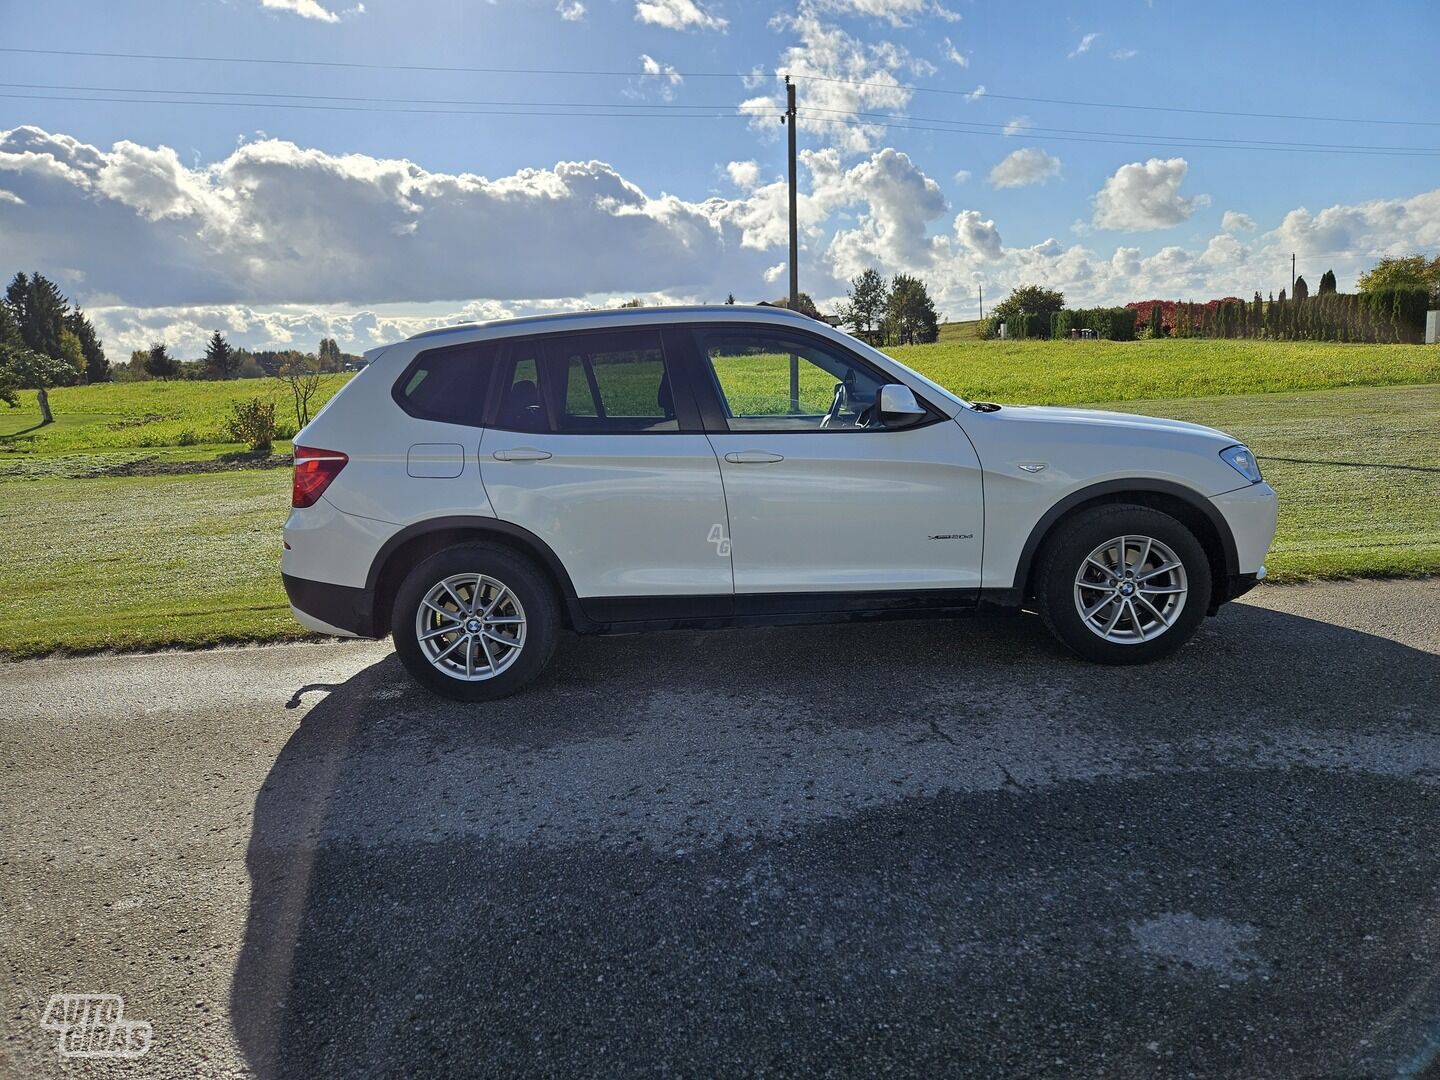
<point>423,539</point>
<point>1186,505</point>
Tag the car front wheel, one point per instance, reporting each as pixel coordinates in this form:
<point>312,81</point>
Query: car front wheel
<point>475,622</point>
<point>1123,584</point>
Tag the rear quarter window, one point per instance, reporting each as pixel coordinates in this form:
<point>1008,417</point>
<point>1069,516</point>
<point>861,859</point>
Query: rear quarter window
<point>448,385</point>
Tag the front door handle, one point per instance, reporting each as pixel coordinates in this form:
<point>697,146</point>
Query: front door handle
<point>753,457</point>
<point>521,453</point>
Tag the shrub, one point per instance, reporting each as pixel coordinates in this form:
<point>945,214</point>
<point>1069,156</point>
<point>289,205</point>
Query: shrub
<point>252,422</point>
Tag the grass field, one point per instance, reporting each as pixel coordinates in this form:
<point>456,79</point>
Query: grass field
<point>152,561</point>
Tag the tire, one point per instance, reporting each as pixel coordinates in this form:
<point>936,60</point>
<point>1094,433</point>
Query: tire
<point>520,601</point>
<point>1159,609</point>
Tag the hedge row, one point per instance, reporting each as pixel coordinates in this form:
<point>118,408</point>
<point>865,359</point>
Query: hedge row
<point>1109,323</point>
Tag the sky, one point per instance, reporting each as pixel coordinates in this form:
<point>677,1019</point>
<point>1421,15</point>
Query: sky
<point>283,170</point>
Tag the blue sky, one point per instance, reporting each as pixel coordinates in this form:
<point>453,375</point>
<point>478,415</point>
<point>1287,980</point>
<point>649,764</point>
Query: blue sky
<point>272,222</point>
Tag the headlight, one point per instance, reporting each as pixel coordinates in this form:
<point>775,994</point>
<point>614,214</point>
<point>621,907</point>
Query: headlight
<point>1242,461</point>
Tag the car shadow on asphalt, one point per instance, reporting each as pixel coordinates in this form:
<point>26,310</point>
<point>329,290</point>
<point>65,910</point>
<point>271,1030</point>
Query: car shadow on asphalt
<point>920,847</point>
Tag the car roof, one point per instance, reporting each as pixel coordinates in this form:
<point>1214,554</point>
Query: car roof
<point>629,316</point>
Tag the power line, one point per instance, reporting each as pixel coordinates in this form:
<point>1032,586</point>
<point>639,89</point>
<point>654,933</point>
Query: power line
<point>378,109</point>
<point>1006,129</point>
<point>351,98</point>
<point>654,106</point>
<point>582,72</point>
<point>1180,142</point>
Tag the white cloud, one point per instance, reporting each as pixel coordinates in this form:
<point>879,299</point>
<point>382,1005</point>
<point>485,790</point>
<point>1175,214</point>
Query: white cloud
<point>677,15</point>
<point>308,9</point>
<point>275,223</point>
<point>280,245</point>
<point>1018,124</point>
<point>896,12</point>
<point>744,174</point>
<point>978,236</point>
<point>571,10</point>
<point>1124,54</point>
<point>1234,221</point>
<point>848,76</point>
<point>1084,46</point>
<point>1026,166</point>
<point>1146,196</point>
<point>666,74</point>
<point>962,176</point>
<point>976,94</point>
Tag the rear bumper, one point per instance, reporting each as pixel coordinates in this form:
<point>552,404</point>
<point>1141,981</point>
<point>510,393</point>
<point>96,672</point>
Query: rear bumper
<point>331,609</point>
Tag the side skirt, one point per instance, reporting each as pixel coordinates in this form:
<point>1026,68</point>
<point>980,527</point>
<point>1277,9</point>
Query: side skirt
<point>633,614</point>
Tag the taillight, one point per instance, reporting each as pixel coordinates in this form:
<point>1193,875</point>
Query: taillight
<point>314,469</point>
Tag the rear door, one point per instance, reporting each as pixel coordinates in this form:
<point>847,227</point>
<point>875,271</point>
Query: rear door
<point>595,447</point>
<point>822,499</point>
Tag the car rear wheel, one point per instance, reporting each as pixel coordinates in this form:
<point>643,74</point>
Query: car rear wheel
<point>475,622</point>
<point>1122,584</point>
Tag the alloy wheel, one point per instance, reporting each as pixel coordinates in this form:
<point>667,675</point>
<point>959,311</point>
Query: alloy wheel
<point>471,627</point>
<point>1130,589</point>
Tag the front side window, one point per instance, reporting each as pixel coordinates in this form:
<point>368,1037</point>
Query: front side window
<point>590,384</point>
<point>771,380</point>
<point>447,385</point>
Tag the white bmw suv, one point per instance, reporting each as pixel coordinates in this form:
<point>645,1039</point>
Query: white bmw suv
<point>477,489</point>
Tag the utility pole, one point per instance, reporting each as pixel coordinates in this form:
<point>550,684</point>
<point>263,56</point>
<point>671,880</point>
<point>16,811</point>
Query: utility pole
<point>794,242</point>
<point>794,214</point>
<point>981,289</point>
<point>1292,274</point>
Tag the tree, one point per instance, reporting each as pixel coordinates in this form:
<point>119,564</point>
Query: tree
<point>97,367</point>
<point>806,306</point>
<point>22,368</point>
<point>730,299</point>
<point>910,317</point>
<point>1028,300</point>
<point>39,310</point>
<point>330,357</point>
<point>159,364</point>
<point>1327,283</point>
<point>1394,272</point>
<point>866,307</point>
<point>302,374</point>
<point>71,355</point>
<point>220,359</point>
<point>633,302</point>
<point>1302,291</point>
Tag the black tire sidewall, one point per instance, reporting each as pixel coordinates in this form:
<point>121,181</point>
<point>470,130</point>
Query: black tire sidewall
<point>521,576</point>
<point>1081,535</point>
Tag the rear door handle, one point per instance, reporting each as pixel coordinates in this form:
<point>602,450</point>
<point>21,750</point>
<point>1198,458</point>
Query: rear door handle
<point>521,453</point>
<point>753,457</point>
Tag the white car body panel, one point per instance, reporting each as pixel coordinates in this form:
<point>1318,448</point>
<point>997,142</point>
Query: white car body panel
<point>854,510</point>
<point>628,515</point>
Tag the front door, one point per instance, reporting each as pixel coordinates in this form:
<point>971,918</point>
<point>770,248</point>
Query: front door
<point>588,450</point>
<point>821,497</point>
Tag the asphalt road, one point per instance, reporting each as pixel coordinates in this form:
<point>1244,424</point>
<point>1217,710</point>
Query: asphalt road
<point>904,849</point>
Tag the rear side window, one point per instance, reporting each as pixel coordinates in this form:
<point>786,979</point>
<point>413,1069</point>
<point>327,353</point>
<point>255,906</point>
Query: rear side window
<point>448,385</point>
<point>589,384</point>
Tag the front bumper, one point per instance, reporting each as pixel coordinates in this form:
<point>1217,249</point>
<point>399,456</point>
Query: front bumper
<point>331,609</point>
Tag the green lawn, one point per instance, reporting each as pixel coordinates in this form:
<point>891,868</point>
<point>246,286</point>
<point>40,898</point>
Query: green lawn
<point>144,416</point>
<point>1075,372</point>
<point>147,562</point>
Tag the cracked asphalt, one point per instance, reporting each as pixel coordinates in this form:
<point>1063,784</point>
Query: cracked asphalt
<point>910,849</point>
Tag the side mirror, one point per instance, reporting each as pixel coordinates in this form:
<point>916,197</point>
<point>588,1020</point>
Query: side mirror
<point>896,407</point>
